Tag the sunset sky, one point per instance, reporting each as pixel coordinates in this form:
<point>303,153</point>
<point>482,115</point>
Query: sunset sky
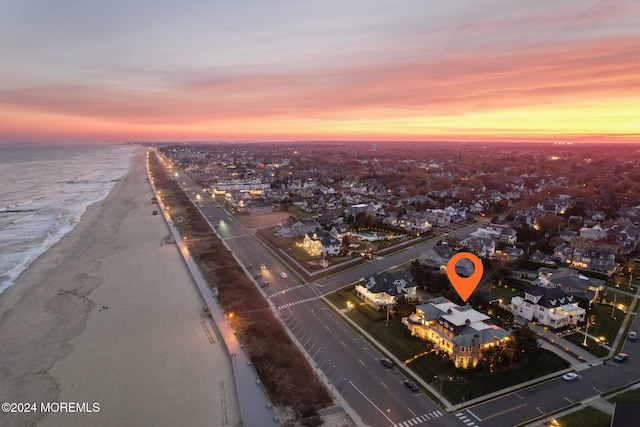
<point>123,70</point>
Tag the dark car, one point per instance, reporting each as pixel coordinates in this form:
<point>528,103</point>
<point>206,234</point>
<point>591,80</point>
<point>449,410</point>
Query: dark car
<point>257,276</point>
<point>264,284</point>
<point>621,357</point>
<point>387,363</point>
<point>411,385</point>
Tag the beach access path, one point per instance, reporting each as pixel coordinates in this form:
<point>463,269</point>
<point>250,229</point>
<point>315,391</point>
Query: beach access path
<point>111,316</point>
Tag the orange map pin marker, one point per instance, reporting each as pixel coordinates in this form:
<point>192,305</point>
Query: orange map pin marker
<point>464,286</point>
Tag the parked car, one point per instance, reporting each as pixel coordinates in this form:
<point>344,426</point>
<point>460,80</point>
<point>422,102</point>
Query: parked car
<point>411,385</point>
<point>570,376</point>
<point>620,357</point>
<point>257,276</point>
<point>264,284</point>
<point>387,363</point>
<point>633,336</point>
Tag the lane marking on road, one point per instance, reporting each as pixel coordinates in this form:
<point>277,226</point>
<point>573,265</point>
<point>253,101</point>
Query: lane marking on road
<point>504,412</point>
<point>474,415</point>
<point>360,360</point>
<point>384,385</point>
<point>369,400</point>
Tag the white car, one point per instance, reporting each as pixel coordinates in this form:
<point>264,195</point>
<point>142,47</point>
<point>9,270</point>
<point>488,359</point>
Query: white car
<point>283,275</point>
<point>570,376</point>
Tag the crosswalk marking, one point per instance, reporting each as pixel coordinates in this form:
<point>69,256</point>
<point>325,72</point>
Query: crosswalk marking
<point>468,421</point>
<point>419,419</point>
<point>284,291</point>
<point>297,302</point>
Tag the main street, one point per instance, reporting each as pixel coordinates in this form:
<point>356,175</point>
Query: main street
<point>350,365</point>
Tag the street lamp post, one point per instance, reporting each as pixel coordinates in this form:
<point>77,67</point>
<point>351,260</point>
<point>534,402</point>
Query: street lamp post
<point>586,329</point>
<point>387,324</point>
<point>435,377</point>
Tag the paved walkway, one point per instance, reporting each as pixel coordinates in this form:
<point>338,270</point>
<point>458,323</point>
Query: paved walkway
<point>564,348</point>
<point>255,407</point>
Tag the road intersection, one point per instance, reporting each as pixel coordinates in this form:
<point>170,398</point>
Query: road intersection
<point>349,363</point>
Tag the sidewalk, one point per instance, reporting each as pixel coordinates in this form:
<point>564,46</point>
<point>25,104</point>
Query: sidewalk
<point>565,349</point>
<point>255,406</point>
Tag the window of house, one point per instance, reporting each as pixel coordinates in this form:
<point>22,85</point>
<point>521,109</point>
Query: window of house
<point>462,349</point>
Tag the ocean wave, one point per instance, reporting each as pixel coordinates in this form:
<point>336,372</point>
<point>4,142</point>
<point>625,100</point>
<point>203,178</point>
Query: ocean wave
<point>58,190</point>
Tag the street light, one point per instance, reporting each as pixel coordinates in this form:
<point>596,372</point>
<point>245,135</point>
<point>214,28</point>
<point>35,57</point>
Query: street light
<point>435,377</point>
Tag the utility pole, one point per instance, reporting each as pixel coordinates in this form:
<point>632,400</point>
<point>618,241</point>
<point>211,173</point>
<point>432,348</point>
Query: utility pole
<point>613,307</point>
<point>387,324</point>
<point>586,329</point>
<point>435,377</point>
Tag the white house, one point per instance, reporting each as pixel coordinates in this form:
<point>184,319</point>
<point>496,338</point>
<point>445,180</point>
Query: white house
<point>548,306</point>
<point>320,242</point>
<point>381,290</point>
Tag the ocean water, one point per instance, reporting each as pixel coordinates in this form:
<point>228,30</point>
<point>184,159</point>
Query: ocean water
<point>45,191</point>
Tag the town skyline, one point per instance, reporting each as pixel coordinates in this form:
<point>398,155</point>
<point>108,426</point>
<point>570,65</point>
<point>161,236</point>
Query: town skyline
<point>365,71</point>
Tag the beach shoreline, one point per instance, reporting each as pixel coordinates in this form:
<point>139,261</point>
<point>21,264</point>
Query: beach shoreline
<point>110,316</point>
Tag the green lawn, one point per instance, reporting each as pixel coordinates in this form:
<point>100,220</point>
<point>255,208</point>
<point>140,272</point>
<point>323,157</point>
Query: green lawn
<point>587,417</point>
<point>602,325</point>
<point>592,347</point>
<point>628,396</point>
<point>622,300</point>
<point>458,386</point>
<point>505,293</point>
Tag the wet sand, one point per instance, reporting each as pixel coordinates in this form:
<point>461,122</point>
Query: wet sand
<point>109,316</point>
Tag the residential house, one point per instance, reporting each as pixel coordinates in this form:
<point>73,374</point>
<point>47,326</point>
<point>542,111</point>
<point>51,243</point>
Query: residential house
<point>596,256</point>
<point>414,222</point>
<point>439,256</point>
<point>571,282</point>
<point>320,243</point>
<point>548,306</point>
<point>462,332</point>
<point>483,247</point>
<point>438,217</point>
<point>593,233</point>
<point>500,233</point>
<point>381,290</point>
<point>509,253</point>
<point>340,231</point>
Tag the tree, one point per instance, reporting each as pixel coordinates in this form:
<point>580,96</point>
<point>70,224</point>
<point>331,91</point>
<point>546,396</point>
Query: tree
<point>403,307</point>
<point>525,343</point>
<point>346,241</point>
<point>495,358</point>
<point>618,278</point>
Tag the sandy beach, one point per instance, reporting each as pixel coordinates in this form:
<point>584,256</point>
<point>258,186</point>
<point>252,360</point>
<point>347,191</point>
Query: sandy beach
<point>109,316</point>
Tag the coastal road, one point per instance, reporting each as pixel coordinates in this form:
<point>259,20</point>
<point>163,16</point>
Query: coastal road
<point>348,363</point>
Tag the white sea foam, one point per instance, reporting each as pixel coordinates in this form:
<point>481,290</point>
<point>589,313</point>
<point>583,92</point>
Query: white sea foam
<point>46,192</point>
